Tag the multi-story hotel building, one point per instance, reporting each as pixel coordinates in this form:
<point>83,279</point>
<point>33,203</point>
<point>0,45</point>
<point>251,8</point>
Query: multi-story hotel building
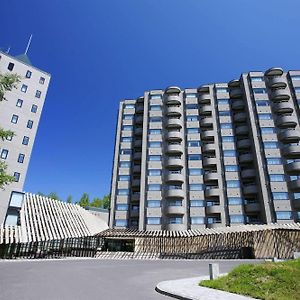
<point>219,155</point>
<point>20,113</point>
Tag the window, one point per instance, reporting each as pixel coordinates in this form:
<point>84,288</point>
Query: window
<point>221,90</point>
<point>155,119</point>
<point>227,139</point>
<point>21,158</point>
<point>268,130</point>
<point>128,117</point>
<point>135,207</point>
<point>127,127</point>
<point>24,88</point>
<point>10,66</point>
<point>155,107</point>
<point>197,203</point>
<point>175,220</point>
<point>177,202</point>
<point>154,131</point>
<point>25,140</point>
<point>295,77</point>
<point>194,156</point>
<point>212,220</point>
<point>121,223</point>
<point>124,177</point>
<point>274,161</point>
<point>42,80</point>
<point>4,153</point>
<point>276,177</point>
<point>232,184</point>
<point>154,158</point>
<point>229,153</point>
<point>259,91</point>
<point>256,78</point>
<point>193,143</point>
<point>224,113</point>
<point>283,215</point>
<point>190,95</point>
<point>197,220</point>
<point>280,196</point>
<point>14,119</point>
<point>297,89</point>
<point>17,176</point>
<point>154,144</point>
<point>124,164</point>
<point>231,168</point>
<point>174,187</point>
<point>192,118</point>
<point>126,106</point>
<point>34,108</point>
<point>19,103</point>
<point>127,139</point>
<point>28,74</point>
<point>237,219</point>
<point>16,199</point>
<point>191,106</point>
<point>29,124</point>
<point>265,116</point>
<point>262,103</point>
<point>123,192</point>
<point>270,145</point>
<point>195,172</point>
<point>226,125</point>
<point>223,101</point>
<point>155,96</point>
<point>126,151</point>
<point>122,207</point>
<point>153,220</point>
<point>196,187</point>
<point>193,130</point>
<point>153,203</point>
<point>154,187</point>
<point>154,172</point>
<point>235,201</point>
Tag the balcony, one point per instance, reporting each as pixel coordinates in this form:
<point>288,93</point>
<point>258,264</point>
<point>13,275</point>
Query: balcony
<point>137,144</point>
<point>174,123</point>
<point>213,192</point>
<point>274,72</point>
<point>291,151</point>
<point>286,122</point>
<point>238,104</point>
<point>137,156</point>
<point>174,194</point>
<point>280,94</point>
<point>234,83</point>
<point>294,185</point>
<point>173,111</point>
<point>173,100</point>
<point>277,82</point>
<point>204,99</point>
<point>240,117</point>
<point>174,136</point>
<point>137,169</point>
<point>174,149</point>
<point>248,173</point>
<point>293,168</point>
<point>211,177</point>
<point>283,108</point>
<point>135,197</point>
<point>205,110</point>
<point>250,189</point>
<point>206,122</point>
<point>289,136</point>
<point>139,109</point>
<point>174,178</point>
<point>209,161</point>
<point>213,209</point>
<point>173,90</point>
<point>175,210</point>
<point>252,207</point>
<point>138,131</point>
<point>208,148</point>
<point>235,93</point>
<point>136,183</point>
<point>246,158</point>
<point>175,227</point>
<point>244,144</point>
<point>208,135</point>
<point>139,120</point>
<point>242,130</point>
<point>174,163</point>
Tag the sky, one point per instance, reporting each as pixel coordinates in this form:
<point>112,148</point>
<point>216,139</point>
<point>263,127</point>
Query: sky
<point>100,52</point>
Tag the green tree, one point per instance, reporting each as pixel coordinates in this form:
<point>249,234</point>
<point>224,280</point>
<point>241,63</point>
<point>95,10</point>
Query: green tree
<point>106,201</point>
<point>70,199</point>
<point>54,196</point>
<point>7,83</point>
<point>84,200</point>
<point>97,202</point>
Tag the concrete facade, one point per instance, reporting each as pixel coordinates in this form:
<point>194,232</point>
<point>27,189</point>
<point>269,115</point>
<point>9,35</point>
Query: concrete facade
<point>220,155</point>
<point>20,113</point>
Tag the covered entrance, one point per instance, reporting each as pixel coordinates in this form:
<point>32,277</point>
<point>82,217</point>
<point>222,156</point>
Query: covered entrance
<point>118,245</point>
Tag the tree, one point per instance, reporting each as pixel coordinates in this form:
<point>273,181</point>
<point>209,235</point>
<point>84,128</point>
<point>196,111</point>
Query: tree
<point>106,202</point>
<point>70,199</point>
<point>54,196</point>
<point>97,202</point>
<point>7,83</point>
<point>84,200</point>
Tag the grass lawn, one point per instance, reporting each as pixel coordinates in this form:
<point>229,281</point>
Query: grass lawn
<point>269,281</point>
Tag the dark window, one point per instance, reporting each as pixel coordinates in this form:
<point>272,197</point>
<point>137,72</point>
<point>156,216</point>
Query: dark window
<point>42,80</point>
<point>14,119</point>
<point>38,94</point>
<point>10,66</point>
<point>25,140</point>
<point>19,103</point>
<point>29,124</point>
<point>17,176</point>
<point>34,108</point>
<point>21,158</point>
<point>28,74</point>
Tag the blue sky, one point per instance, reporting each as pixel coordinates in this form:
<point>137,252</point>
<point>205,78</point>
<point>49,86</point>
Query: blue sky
<point>99,52</point>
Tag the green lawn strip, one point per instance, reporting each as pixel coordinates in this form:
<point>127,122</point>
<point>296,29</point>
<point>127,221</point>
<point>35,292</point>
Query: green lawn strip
<point>269,281</point>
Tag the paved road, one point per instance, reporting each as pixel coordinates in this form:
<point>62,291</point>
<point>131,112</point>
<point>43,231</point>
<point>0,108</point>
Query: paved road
<point>96,279</point>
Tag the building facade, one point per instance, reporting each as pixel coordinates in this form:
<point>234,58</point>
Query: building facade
<point>20,113</point>
<point>220,155</point>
